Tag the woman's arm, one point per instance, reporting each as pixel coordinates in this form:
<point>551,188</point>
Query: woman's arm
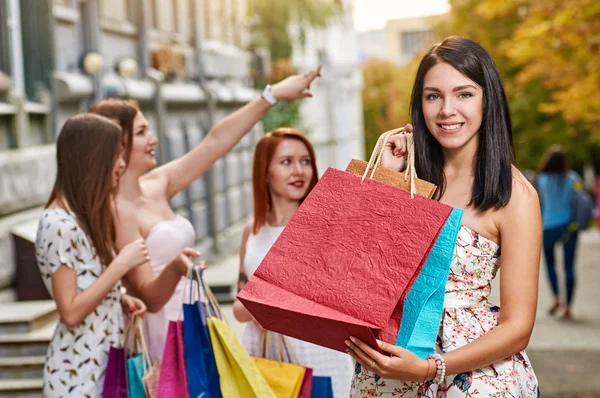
<point>181,172</point>
<point>73,306</point>
<point>521,235</point>
<point>153,290</point>
<point>240,312</point>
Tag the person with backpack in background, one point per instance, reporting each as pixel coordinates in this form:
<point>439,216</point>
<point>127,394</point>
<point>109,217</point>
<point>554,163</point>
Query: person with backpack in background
<point>566,210</point>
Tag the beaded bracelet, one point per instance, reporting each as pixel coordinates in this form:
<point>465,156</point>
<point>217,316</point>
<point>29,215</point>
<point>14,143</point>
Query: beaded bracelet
<point>440,373</point>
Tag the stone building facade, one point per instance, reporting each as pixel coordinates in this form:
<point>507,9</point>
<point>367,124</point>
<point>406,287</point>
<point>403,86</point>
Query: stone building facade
<point>191,69</point>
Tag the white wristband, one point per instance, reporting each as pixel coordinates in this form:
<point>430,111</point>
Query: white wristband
<point>268,96</point>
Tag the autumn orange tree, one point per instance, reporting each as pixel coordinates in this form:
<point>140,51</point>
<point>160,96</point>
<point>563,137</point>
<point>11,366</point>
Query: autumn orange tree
<point>384,99</point>
<point>547,52</point>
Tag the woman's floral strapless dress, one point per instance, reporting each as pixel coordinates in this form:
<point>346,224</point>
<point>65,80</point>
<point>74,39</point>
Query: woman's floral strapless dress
<point>467,317</point>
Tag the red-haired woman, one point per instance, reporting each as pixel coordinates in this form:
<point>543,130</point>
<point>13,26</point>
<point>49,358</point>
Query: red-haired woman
<point>284,173</point>
<point>143,209</point>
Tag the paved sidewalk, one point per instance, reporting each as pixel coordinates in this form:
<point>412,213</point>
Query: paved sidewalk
<point>566,354</point>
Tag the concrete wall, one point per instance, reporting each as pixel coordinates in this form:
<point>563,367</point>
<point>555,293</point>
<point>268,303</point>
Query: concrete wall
<point>213,31</point>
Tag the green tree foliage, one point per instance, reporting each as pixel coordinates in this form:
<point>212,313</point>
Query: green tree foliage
<point>386,97</point>
<point>549,76</point>
<point>270,20</point>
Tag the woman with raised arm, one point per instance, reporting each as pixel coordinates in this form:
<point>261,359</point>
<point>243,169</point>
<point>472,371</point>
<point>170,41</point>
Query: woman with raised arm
<point>75,252</point>
<point>463,144</point>
<point>143,209</point>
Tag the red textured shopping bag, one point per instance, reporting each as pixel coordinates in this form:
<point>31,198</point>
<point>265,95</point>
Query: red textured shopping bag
<point>345,262</point>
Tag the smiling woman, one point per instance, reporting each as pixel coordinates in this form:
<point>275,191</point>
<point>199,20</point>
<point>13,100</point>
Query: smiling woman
<point>142,201</point>
<point>463,144</point>
<point>284,173</point>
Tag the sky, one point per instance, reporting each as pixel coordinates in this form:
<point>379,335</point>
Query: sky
<point>372,14</point>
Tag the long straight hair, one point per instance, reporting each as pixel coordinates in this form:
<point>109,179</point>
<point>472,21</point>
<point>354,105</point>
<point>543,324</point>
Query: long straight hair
<point>123,112</point>
<point>263,154</point>
<point>492,186</point>
<point>87,148</point>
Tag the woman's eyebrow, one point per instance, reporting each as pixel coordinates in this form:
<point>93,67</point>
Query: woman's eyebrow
<point>459,88</point>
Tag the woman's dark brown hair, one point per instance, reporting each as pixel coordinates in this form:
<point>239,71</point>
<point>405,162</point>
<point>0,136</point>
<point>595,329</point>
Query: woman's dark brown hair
<point>86,151</point>
<point>122,112</point>
<point>263,154</point>
<point>492,183</point>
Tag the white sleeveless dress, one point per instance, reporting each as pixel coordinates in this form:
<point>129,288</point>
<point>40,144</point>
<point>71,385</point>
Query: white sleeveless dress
<point>324,362</point>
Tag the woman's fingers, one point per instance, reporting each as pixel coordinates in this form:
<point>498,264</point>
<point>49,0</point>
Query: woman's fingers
<point>398,145</point>
<point>190,252</point>
<point>312,75</point>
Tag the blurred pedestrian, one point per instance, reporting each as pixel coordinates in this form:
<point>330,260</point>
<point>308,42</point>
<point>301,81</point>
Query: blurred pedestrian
<point>556,185</point>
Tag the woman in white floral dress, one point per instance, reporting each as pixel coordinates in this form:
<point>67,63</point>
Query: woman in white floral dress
<point>74,250</point>
<point>463,144</point>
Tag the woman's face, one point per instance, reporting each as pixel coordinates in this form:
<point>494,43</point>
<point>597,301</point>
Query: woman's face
<point>143,144</point>
<point>452,106</point>
<point>290,171</point>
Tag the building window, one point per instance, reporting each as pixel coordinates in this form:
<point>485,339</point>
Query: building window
<point>115,10</point>
<point>411,42</point>
<point>184,19</point>
<point>164,15</point>
<point>213,19</point>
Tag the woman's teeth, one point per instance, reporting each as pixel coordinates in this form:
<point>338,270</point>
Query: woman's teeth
<point>452,126</point>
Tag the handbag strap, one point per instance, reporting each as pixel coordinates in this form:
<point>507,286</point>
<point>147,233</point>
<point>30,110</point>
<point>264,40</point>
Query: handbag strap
<point>135,346</point>
<point>289,349</point>
<point>212,304</point>
<point>282,346</point>
<point>377,154</point>
<point>147,359</point>
<point>126,333</point>
<point>189,281</point>
<point>266,342</point>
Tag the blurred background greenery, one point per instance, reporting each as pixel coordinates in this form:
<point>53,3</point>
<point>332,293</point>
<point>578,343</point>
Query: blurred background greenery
<point>548,54</point>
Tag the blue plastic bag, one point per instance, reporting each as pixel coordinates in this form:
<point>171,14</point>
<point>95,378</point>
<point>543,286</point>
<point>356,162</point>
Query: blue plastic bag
<point>202,374</point>
<point>424,303</point>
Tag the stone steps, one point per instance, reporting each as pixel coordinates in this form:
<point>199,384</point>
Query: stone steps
<point>29,344</point>
<point>26,328</point>
<point>26,316</point>
<point>20,368</point>
<point>22,388</point>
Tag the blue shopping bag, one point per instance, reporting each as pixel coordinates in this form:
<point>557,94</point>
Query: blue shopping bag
<point>322,387</point>
<point>202,374</point>
<point>424,303</point>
